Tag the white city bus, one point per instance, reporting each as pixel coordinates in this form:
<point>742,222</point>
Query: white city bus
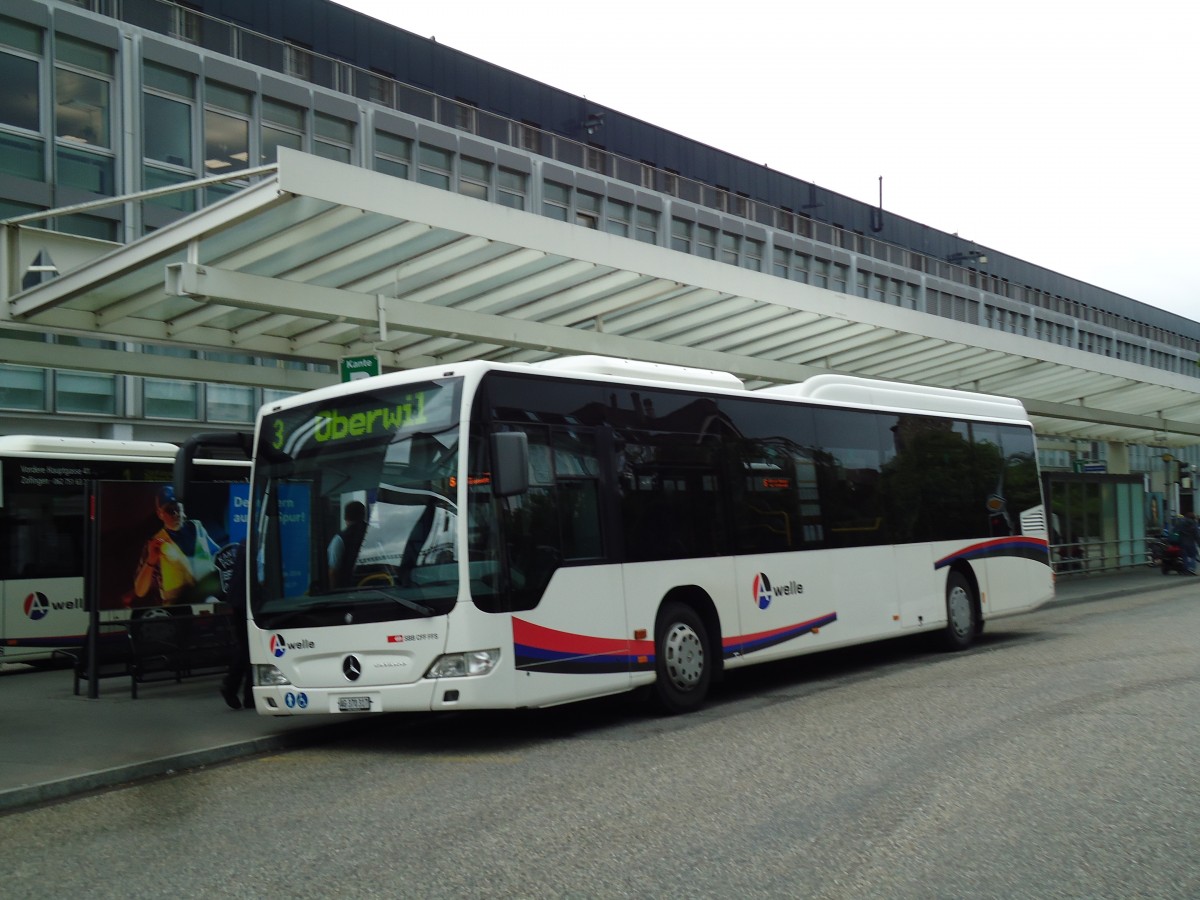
<point>538,534</point>
<point>44,484</point>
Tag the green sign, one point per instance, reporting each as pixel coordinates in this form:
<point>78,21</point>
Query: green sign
<point>356,367</point>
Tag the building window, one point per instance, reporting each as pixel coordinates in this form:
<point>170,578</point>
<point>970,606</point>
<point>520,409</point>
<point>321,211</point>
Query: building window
<point>82,107</point>
<point>89,226</point>
<point>729,248</point>
<point>20,155</point>
<point>28,40</point>
<point>510,188</point>
<point>86,171</point>
<point>83,87</point>
<point>22,388</point>
<point>474,177</point>
<point>840,273</point>
<point>283,126</point>
<point>393,155</point>
<point>556,201</point>
<point>229,403</point>
<point>334,137</point>
<point>781,262</point>
<point>647,225</point>
<point>168,133</point>
<point>820,272</point>
<point>587,209</point>
<point>801,263</point>
<point>270,395</point>
<point>681,235</point>
<point>706,241</point>
<point>170,399</point>
<point>433,166</point>
<point>167,136</point>
<point>752,254</point>
<point>183,201</point>
<point>168,108</point>
<point>226,129</point>
<point>617,217</point>
<point>85,392</point>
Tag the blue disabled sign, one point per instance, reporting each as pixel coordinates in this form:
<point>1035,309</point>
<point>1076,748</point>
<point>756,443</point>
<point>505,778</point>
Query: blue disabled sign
<point>356,367</point>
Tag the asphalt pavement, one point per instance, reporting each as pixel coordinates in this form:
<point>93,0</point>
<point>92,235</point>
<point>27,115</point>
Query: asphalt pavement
<point>57,745</point>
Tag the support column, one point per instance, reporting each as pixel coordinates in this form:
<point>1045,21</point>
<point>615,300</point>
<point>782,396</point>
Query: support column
<point>1118,459</point>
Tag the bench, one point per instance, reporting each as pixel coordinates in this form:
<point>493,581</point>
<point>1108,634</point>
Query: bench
<point>159,647</point>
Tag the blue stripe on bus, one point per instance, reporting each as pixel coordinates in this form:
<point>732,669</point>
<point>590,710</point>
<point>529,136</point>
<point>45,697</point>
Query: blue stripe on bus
<point>1034,549</point>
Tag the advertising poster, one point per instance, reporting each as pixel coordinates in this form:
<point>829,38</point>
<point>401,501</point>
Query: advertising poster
<point>1155,518</point>
<point>154,551</point>
<point>295,525</point>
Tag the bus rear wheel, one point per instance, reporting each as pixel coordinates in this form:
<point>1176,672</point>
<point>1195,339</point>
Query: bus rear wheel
<point>962,616</point>
<point>682,662</point>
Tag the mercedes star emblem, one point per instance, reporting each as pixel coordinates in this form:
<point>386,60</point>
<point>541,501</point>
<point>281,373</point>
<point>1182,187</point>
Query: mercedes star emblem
<point>351,668</point>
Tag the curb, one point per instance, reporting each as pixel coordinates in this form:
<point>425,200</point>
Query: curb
<point>1162,584</point>
<point>77,785</point>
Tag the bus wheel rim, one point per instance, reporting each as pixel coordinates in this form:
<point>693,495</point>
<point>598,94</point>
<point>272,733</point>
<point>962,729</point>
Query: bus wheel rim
<point>960,610</point>
<point>684,657</point>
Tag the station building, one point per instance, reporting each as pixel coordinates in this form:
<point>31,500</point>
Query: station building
<point>211,204</point>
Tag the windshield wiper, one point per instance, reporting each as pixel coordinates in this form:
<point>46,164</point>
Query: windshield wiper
<point>410,605</point>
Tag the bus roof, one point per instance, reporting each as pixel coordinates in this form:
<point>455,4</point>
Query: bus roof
<point>612,367</point>
<point>895,395</point>
<point>823,388</point>
<point>84,448</point>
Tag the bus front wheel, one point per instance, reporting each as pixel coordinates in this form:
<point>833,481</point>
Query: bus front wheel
<point>681,663</point>
<point>962,617</point>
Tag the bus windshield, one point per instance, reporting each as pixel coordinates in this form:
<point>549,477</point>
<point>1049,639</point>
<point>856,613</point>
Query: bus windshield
<point>354,512</point>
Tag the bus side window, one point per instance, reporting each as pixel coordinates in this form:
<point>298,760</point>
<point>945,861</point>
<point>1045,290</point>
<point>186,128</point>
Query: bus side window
<point>850,472</point>
<point>45,533</point>
<point>670,498</point>
<point>577,480</point>
<point>767,505</point>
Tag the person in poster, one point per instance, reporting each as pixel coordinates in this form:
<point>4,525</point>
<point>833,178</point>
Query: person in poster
<point>178,560</point>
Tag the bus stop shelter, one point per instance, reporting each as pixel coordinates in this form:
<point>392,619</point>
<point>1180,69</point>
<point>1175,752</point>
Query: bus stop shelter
<point>318,261</point>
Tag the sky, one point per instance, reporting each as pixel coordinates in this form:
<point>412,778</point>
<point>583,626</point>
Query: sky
<point>1062,132</point>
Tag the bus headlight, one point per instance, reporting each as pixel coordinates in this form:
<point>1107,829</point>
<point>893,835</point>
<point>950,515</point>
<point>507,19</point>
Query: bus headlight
<point>266,675</point>
<point>461,665</point>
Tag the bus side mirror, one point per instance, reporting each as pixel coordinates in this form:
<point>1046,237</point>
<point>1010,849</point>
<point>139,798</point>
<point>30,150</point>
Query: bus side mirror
<point>182,471</point>
<point>510,463</point>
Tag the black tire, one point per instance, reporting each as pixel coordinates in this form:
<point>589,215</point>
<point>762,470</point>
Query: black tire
<point>962,614</point>
<point>682,660</point>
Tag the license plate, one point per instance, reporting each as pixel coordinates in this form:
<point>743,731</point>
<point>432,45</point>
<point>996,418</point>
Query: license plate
<point>354,704</point>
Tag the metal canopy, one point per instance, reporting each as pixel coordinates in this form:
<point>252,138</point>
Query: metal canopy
<point>321,260</point>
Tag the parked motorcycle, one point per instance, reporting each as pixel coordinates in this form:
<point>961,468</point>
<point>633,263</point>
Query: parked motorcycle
<point>1172,558</point>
